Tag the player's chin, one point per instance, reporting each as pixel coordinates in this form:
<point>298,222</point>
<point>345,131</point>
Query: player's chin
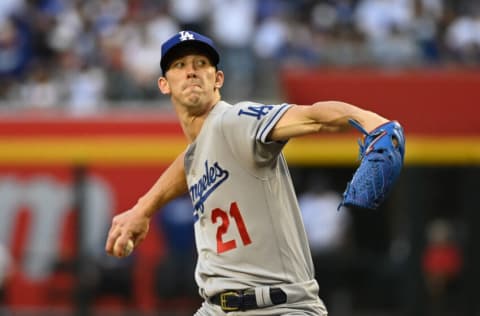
<point>193,99</point>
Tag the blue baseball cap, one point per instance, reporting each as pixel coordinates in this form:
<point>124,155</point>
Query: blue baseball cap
<point>174,45</point>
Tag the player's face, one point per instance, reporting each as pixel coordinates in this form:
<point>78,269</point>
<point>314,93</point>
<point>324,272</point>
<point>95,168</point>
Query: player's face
<point>192,81</point>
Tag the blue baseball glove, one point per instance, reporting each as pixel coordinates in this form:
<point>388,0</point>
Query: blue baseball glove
<point>381,154</point>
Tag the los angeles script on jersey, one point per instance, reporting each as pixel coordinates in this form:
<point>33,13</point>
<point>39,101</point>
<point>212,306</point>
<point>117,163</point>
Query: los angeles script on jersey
<point>213,176</point>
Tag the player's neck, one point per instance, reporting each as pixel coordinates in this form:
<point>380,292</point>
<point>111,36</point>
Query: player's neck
<point>192,121</point>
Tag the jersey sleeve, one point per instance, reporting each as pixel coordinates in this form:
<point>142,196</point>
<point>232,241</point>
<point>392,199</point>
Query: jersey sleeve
<point>246,127</point>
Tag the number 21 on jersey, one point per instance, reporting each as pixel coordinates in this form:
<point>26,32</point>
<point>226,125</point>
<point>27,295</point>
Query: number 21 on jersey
<point>219,215</point>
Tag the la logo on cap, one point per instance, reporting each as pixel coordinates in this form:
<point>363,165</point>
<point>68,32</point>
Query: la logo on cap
<point>184,35</point>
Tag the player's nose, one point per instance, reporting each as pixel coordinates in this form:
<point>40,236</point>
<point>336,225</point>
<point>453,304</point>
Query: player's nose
<point>190,69</point>
<point>191,73</point>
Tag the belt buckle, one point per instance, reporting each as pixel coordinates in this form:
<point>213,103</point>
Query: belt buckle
<point>224,301</point>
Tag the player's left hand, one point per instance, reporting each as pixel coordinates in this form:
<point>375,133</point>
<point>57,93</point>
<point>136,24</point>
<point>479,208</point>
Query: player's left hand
<point>131,224</point>
<point>382,153</point>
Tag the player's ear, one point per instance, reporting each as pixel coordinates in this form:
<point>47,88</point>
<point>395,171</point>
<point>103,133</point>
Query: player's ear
<point>219,78</point>
<point>163,85</point>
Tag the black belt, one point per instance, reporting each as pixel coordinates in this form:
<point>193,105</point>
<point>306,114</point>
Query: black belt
<point>241,300</point>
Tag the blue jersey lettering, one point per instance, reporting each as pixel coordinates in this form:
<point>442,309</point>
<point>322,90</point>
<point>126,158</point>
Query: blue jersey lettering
<point>256,111</point>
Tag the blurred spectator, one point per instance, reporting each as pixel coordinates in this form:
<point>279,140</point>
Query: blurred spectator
<point>324,16</point>
<point>268,8</point>
<point>40,17</point>
<point>339,42</point>
<point>160,26</point>
<point>191,14</point>
<point>398,49</point>
<point>258,38</point>
<point>233,27</point>
<point>120,86</point>
<point>298,51</point>
<point>40,90</point>
<point>140,54</point>
<point>342,46</point>
<point>14,48</point>
<point>442,263</point>
<point>270,38</point>
<point>10,8</point>
<point>105,14</point>
<point>345,11</point>
<point>427,15</point>
<point>386,25</point>
<point>463,38</point>
<point>67,29</point>
<point>377,18</point>
<point>84,84</point>
<point>141,51</point>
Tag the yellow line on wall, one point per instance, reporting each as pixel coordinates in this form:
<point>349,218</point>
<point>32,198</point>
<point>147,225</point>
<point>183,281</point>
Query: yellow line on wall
<point>318,151</point>
<point>86,150</point>
<point>420,150</point>
<point>443,151</point>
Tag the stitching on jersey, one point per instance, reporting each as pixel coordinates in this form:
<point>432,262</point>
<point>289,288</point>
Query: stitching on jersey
<point>268,125</point>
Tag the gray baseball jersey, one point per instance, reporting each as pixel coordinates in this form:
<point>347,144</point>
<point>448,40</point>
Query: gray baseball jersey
<point>249,231</point>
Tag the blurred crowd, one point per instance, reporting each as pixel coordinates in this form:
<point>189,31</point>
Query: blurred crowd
<point>85,55</point>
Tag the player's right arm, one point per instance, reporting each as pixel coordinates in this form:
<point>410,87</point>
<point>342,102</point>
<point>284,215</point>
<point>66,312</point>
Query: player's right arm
<point>322,116</point>
<point>134,223</point>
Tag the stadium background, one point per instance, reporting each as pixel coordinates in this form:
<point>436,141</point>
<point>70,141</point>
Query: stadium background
<point>84,132</point>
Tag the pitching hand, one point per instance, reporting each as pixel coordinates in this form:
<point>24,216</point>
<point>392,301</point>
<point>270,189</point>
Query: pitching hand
<point>131,224</point>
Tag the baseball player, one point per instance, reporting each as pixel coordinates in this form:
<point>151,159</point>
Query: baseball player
<point>253,253</point>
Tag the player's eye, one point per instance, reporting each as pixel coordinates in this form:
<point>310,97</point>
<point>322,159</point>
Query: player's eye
<point>178,64</point>
<point>201,62</point>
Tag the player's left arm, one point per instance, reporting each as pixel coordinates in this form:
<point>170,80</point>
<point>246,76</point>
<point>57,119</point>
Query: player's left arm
<point>330,116</point>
